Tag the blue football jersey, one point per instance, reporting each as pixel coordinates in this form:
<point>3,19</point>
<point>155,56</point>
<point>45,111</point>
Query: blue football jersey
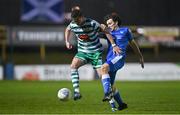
<point>121,37</point>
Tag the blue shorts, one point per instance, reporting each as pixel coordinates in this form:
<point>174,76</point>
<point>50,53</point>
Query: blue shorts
<point>115,64</point>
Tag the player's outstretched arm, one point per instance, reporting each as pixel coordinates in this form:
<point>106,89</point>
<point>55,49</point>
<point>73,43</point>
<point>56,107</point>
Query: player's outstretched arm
<point>116,49</point>
<point>67,37</point>
<point>136,49</point>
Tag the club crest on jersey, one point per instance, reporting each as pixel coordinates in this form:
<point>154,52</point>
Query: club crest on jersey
<point>83,37</point>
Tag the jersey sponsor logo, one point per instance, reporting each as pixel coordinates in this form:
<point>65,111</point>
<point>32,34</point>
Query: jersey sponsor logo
<point>83,37</point>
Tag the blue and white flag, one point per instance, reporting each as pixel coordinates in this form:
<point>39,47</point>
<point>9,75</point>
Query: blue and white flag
<point>43,11</point>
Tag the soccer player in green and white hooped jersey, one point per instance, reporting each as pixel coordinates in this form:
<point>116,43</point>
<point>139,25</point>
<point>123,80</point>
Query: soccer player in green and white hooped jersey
<point>89,49</point>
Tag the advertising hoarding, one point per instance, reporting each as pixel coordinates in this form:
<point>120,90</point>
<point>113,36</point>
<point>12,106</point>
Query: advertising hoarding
<point>51,72</point>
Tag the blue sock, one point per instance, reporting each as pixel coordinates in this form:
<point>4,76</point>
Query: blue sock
<point>106,83</point>
<point>117,97</point>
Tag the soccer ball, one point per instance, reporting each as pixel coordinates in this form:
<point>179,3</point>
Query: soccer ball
<point>64,94</point>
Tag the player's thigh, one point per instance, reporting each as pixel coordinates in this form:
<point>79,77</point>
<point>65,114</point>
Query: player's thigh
<point>77,62</point>
<point>116,66</point>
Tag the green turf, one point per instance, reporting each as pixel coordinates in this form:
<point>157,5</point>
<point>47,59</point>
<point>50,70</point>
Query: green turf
<point>22,97</point>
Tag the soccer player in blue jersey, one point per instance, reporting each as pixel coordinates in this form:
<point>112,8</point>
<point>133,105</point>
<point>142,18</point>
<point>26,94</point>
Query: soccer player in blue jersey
<point>114,62</point>
<point>89,48</point>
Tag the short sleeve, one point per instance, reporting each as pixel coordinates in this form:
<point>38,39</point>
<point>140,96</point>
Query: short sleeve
<point>129,34</point>
<point>69,27</point>
<point>96,25</point>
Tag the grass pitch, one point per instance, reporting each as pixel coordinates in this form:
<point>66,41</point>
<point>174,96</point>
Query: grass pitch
<point>37,97</point>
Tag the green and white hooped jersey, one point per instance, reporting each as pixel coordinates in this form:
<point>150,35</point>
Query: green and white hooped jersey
<point>87,34</point>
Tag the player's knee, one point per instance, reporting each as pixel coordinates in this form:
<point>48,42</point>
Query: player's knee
<point>104,69</point>
<point>73,66</point>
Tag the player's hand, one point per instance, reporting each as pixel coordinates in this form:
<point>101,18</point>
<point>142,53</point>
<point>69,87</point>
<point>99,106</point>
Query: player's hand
<point>103,26</point>
<point>68,45</point>
<point>141,61</point>
<point>116,50</point>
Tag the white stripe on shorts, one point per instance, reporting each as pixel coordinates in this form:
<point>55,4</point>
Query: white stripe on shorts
<point>117,58</point>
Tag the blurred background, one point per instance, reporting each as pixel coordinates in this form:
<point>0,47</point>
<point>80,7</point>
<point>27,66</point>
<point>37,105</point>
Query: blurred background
<point>32,38</point>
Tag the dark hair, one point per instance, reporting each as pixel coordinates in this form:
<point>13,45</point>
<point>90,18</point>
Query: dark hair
<point>76,13</point>
<point>114,17</point>
<point>76,7</point>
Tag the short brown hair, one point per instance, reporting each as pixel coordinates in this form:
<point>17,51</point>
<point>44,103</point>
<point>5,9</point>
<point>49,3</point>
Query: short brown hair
<point>76,13</point>
<point>114,17</point>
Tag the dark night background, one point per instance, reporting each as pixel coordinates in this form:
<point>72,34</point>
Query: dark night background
<point>133,12</point>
